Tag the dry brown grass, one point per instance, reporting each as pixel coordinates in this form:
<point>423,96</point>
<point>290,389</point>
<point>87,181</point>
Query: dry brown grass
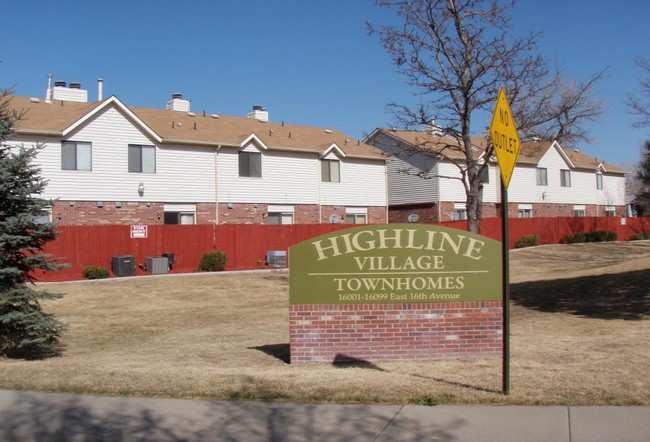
<point>580,335</point>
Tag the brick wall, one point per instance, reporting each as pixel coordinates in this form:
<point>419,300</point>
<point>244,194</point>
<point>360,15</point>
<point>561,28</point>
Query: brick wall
<point>429,214</point>
<point>390,332</point>
<point>84,213</point>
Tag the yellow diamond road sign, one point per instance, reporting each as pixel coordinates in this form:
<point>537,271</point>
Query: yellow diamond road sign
<point>504,137</point>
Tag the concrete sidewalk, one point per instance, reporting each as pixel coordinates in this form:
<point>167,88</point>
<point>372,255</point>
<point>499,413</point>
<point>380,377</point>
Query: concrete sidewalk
<point>29,416</point>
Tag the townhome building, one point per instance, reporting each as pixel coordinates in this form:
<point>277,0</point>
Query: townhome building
<point>109,163</point>
<point>424,180</point>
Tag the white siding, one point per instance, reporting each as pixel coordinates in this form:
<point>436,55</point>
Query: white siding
<point>182,174</point>
<point>286,178</point>
<point>451,189</point>
<point>523,186</point>
<point>613,193</point>
<point>363,183</point>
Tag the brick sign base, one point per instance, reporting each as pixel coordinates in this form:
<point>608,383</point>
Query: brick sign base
<point>328,333</point>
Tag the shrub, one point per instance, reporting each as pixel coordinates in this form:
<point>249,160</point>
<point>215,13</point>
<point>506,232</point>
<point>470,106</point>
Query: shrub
<point>95,272</point>
<point>577,238</point>
<point>597,236</point>
<point>213,261</point>
<point>641,235</point>
<point>600,236</point>
<point>526,241</point>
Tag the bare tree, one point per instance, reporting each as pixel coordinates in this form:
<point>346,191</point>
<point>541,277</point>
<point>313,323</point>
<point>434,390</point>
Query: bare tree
<point>639,103</point>
<point>456,54</point>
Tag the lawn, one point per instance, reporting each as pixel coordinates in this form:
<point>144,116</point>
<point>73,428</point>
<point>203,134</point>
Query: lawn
<point>580,335</point>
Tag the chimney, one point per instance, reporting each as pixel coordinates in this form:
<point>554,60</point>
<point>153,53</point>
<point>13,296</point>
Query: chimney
<point>178,103</point>
<point>100,89</point>
<point>71,93</point>
<point>259,113</point>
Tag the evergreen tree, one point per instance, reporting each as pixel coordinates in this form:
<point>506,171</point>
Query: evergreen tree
<point>26,331</point>
<point>642,196</point>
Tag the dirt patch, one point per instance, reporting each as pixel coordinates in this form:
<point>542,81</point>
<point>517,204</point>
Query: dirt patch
<point>579,324</point>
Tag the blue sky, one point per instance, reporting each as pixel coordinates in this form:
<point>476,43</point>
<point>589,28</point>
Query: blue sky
<point>308,62</point>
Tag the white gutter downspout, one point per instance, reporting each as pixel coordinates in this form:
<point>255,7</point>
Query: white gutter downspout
<point>438,192</point>
<point>216,184</point>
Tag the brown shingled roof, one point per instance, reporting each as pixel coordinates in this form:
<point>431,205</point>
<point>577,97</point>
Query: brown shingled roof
<point>443,144</point>
<point>175,127</point>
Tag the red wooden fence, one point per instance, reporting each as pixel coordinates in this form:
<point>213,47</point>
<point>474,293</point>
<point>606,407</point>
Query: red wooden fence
<point>246,244</point>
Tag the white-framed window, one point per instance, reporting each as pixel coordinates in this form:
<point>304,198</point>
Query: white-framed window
<point>610,211</point>
<point>525,211</point>
<point>250,164</point>
<point>542,176</point>
<point>356,215</point>
<point>76,155</point>
<point>460,212</point>
<point>579,210</point>
<point>599,181</point>
<point>280,214</point>
<point>142,159</point>
<point>44,216</point>
<point>565,178</point>
<point>180,213</point>
<point>330,171</point>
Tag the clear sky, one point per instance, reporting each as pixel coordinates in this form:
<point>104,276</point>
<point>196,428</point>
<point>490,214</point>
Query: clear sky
<point>308,62</point>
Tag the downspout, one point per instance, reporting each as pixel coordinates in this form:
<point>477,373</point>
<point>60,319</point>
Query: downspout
<point>386,189</point>
<point>439,209</point>
<point>319,183</point>
<point>216,184</point>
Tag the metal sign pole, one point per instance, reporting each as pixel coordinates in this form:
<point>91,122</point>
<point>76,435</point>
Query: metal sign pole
<point>506,289</point>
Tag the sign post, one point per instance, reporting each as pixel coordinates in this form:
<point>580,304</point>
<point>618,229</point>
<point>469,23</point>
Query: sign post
<point>507,144</point>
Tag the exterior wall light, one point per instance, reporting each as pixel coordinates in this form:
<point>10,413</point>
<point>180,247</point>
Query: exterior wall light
<point>141,188</point>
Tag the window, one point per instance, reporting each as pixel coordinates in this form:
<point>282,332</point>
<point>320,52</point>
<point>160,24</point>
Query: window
<point>142,159</point>
<point>525,210</point>
<point>610,211</point>
<point>599,181</point>
<point>565,178</point>
<point>330,171</point>
<point>542,176</point>
<point>250,164</point>
<point>280,215</point>
<point>76,155</point>
<point>356,215</point>
<point>180,213</point>
<point>459,213</point>
<point>579,210</point>
<point>43,217</point>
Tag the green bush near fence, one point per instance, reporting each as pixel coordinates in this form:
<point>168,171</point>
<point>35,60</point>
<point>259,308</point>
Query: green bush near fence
<point>639,236</point>
<point>95,272</point>
<point>526,241</point>
<point>213,261</point>
<point>597,236</point>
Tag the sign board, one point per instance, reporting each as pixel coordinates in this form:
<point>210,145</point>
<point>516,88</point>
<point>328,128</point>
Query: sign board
<point>395,263</point>
<point>504,137</point>
<point>139,231</point>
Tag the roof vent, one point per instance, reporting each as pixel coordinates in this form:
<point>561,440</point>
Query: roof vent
<point>75,85</point>
<point>59,84</point>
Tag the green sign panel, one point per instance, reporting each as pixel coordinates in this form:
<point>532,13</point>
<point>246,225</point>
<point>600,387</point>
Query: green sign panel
<point>395,263</point>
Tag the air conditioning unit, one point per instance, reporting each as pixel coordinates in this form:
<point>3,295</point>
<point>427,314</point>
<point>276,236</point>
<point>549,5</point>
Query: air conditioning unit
<point>123,265</point>
<point>276,258</point>
<point>157,265</point>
